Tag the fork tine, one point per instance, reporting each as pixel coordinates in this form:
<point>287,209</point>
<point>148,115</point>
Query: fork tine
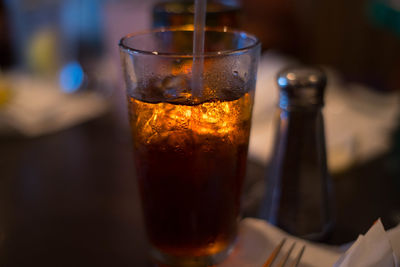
<point>297,260</point>
<point>286,256</point>
<point>274,253</point>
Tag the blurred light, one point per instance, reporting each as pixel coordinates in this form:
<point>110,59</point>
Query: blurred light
<point>282,81</point>
<point>71,77</point>
<point>291,76</point>
<point>313,78</point>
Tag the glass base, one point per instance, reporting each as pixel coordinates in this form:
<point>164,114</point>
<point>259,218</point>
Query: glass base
<point>187,261</point>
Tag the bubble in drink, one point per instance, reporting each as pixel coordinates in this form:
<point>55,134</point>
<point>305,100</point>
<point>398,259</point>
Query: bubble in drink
<point>191,161</point>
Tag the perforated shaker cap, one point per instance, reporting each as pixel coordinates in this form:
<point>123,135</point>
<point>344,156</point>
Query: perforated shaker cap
<point>301,87</point>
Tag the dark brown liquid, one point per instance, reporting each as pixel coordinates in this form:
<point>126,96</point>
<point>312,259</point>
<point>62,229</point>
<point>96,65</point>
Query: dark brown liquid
<point>190,161</point>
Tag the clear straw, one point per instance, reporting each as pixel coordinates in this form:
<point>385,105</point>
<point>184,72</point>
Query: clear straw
<point>198,46</point>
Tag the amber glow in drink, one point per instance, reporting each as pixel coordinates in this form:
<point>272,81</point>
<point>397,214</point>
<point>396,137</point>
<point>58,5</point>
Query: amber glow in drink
<point>191,161</point>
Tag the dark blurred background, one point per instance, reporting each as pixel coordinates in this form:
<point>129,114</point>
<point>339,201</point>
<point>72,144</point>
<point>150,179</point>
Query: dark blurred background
<point>359,38</point>
<point>67,186</point>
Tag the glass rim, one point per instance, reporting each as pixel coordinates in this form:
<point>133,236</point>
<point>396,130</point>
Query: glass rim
<point>130,50</point>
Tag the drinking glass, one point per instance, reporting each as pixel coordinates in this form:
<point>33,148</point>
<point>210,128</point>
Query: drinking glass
<point>190,141</point>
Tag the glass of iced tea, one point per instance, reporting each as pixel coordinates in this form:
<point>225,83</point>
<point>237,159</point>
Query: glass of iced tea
<point>190,141</point>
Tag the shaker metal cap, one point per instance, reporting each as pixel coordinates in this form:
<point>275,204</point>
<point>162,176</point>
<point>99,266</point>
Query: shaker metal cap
<point>301,87</point>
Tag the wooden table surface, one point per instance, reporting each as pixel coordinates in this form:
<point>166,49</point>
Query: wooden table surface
<point>71,199</point>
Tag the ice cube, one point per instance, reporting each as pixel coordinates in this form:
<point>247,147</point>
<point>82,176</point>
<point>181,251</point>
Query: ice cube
<point>176,88</point>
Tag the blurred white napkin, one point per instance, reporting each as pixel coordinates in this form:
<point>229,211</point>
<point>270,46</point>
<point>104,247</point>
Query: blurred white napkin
<point>370,250</point>
<point>258,238</point>
<point>38,106</point>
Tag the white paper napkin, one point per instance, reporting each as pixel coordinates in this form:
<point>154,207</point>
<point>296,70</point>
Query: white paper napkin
<point>370,250</point>
<point>394,237</point>
<point>257,239</point>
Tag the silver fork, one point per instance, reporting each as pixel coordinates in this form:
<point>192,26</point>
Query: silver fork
<point>285,257</point>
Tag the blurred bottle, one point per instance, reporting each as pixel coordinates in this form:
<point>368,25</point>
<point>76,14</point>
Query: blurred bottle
<point>59,40</point>
<point>82,29</point>
<point>180,13</point>
<point>35,35</point>
<point>298,195</point>
<point>82,46</point>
